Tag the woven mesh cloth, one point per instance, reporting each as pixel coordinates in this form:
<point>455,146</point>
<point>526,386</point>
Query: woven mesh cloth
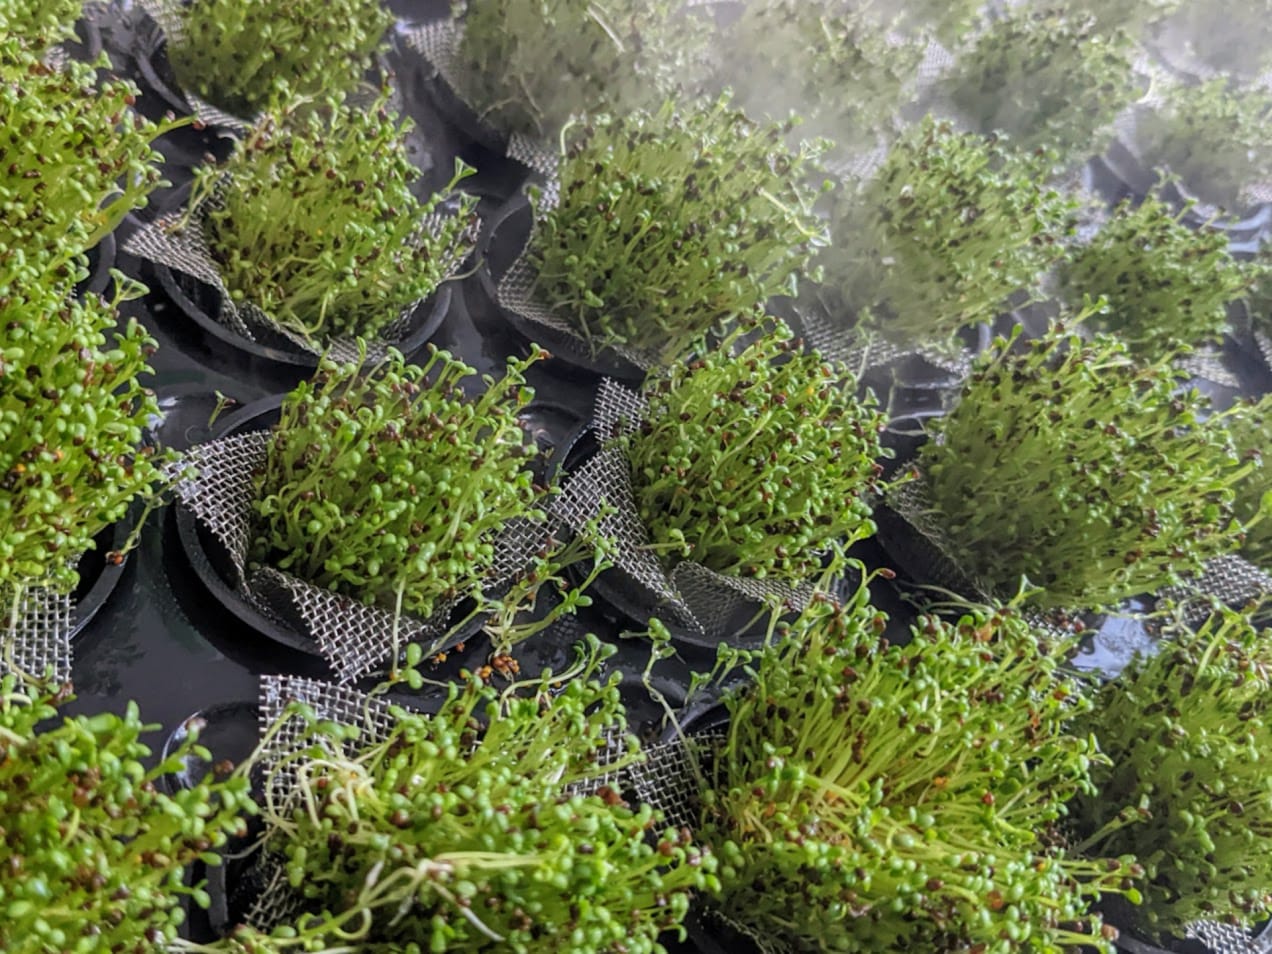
<point>35,635</point>
<point>438,43</point>
<point>695,598</point>
<point>353,637</point>
<point>1229,580</point>
<point>862,351</point>
<point>186,252</point>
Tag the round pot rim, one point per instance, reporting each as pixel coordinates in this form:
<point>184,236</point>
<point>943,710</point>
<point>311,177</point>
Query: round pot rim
<point>435,309</point>
<point>103,583</point>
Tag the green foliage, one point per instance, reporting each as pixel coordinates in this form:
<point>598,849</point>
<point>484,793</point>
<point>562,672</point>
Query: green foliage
<point>1090,473</point>
<point>671,222</point>
<point>313,221</point>
<point>39,24</point>
<point>942,234</point>
<point>1167,284</point>
<point>756,460</point>
<point>238,54</point>
<point>1049,79</point>
<point>74,160</point>
<point>883,798</point>
<point>1186,786</point>
<point>72,413</point>
<point>1213,137</point>
<point>489,821</point>
<point>390,485</point>
<point>95,853</point>
<point>1250,425</point>
<point>528,66</point>
<point>848,81</point>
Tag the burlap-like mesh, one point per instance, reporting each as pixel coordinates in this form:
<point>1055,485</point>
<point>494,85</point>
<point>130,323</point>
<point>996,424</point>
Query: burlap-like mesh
<point>1228,939</point>
<point>185,251</point>
<point>35,634</point>
<point>352,637</point>
<point>1228,579</point>
<point>1207,363</point>
<point>438,43</point>
<point>696,598</point>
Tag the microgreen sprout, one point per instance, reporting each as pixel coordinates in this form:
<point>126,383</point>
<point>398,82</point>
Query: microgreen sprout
<point>999,230</point>
<point>1185,787</point>
<point>72,414</point>
<point>95,854</point>
<point>1166,283</point>
<point>755,459</point>
<point>670,222</point>
<point>848,81</point>
<point>492,821</point>
<point>1049,78</point>
<point>1213,137</point>
<point>391,486</point>
<point>1092,474</point>
<point>871,797</point>
<point>528,66</point>
<point>238,54</point>
<point>313,221</point>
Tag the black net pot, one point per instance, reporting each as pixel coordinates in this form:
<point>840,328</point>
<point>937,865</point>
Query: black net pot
<point>101,259</point>
<point>272,357</point>
<point>100,570</point>
<point>213,566</point>
<point>504,240</point>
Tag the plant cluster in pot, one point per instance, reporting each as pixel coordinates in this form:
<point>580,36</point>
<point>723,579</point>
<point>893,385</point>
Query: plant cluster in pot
<point>850,80</point>
<point>1184,785</point>
<point>1165,285</point>
<point>1214,138</point>
<point>1094,476</point>
<point>72,409</point>
<point>889,273</point>
<point>497,821</point>
<point>872,797</point>
<point>95,853</point>
<point>385,507</point>
<point>239,56</point>
<point>666,224</point>
<point>310,234</point>
<point>740,478</point>
<point>1049,78</point>
<point>40,24</point>
<point>526,67</point>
